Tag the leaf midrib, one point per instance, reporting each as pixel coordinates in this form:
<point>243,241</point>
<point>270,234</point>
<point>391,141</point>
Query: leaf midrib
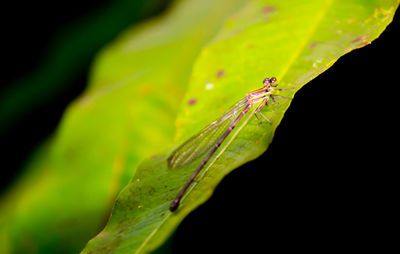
<point>306,38</point>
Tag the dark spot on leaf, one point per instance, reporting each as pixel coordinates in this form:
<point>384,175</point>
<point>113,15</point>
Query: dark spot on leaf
<point>192,101</point>
<point>268,9</point>
<point>361,38</point>
<point>220,73</point>
<point>312,45</point>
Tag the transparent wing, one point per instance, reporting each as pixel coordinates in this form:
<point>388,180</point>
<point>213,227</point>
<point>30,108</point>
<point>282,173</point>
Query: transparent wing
<point>200,143</point>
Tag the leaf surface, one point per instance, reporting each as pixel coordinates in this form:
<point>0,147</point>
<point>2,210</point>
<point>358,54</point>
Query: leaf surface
<point>292,40</point>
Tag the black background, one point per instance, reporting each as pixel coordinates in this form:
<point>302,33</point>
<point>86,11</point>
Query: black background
<point>326,181</point>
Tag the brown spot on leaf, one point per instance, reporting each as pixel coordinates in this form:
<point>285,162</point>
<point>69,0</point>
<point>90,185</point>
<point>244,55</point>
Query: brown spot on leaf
<point>220,73</point>
<point>312,45</point>
<point>268,9</point>
<point>192,101</point>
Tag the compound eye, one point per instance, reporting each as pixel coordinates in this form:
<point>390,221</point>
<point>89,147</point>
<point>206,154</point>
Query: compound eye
<point>273,82</point>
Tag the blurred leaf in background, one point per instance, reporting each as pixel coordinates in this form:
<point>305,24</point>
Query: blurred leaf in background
<point>69,54</point>
<point>48,48</point>
<point>32,102</point>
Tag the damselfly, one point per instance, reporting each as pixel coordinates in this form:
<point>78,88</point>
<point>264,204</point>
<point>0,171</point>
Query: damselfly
<point>212,136</point>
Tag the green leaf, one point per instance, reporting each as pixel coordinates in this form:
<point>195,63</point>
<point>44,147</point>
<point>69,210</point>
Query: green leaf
<point>127,113</point>
<point>292,40</point>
